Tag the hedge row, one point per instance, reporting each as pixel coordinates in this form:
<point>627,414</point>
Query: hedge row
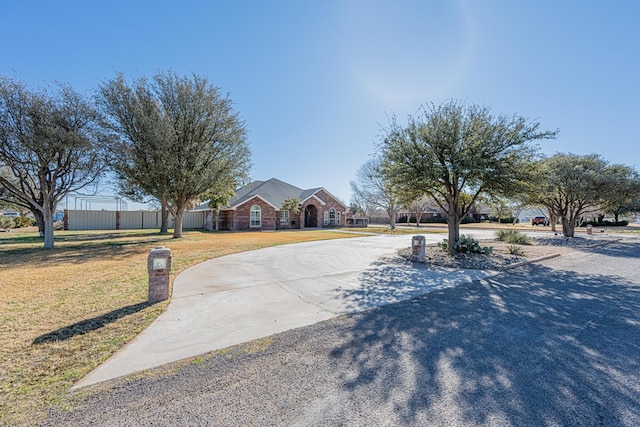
<point>607,223</point>
<point>18,222</point>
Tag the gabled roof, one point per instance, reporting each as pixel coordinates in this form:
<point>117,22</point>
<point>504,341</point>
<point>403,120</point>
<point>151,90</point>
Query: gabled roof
<point>272,191</point>
<point>311,193</point>
<point>308,193</point>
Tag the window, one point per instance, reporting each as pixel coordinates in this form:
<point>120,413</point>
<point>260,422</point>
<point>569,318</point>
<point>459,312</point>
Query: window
<point>332,216</point>
<point>284,217</point>
<point>255,216</point>
<point>338,218</point>
<point>326,218</point>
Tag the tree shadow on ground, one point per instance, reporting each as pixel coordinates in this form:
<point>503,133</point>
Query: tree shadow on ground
<point>89,325</point>
<point>393,279</point>
<point>621,248</point>
<point>532,346</point>
<point>78,236</point>
<point>80,252</point>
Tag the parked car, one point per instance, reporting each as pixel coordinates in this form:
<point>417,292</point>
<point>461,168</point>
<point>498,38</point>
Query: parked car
<point>539,220</point>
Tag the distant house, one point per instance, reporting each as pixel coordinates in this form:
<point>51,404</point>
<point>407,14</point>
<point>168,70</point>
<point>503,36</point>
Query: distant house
<point>258,206</point>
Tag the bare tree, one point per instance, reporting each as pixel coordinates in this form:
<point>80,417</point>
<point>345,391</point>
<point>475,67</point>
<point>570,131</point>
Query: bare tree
<point>417,207</point>
<point>372,190</point>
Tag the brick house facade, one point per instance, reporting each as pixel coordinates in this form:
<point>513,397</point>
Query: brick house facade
<point>258,206</point>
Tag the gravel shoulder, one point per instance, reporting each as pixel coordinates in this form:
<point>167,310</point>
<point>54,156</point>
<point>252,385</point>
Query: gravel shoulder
<point>549,343</point>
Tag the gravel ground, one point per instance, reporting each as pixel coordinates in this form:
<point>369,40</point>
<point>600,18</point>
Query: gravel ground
<point>551,343</point>
<point>501,258</point>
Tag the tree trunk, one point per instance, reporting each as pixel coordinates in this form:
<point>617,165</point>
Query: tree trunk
<point>453,225</point>
<point>568,227</point>
<point>177,228</point>
<point>164,214</point>
<point>37,214</point>
<point>47,217</point>
<point>392,218</point>
<point>217,219</point>
<point>553,220</point>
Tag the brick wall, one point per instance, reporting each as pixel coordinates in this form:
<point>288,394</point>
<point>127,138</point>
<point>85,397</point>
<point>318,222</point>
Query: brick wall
<point>269,219</point>
<point>240,219</point>
<point>330,203</point>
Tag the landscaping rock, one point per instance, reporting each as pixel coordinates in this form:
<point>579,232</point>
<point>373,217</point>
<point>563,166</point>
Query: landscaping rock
<point>501,257</point>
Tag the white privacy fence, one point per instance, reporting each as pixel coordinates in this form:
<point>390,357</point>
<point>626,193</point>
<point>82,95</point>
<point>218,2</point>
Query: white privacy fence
<point>126,220</point>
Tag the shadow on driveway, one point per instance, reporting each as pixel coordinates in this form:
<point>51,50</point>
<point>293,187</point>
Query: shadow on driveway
<point>534,346</point>
<point>394,279</point>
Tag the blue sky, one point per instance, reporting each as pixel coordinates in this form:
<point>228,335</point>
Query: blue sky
<point>316,81</point>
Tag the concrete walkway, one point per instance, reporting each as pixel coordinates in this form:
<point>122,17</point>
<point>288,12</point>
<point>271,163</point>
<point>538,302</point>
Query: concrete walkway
<point>250,295</point>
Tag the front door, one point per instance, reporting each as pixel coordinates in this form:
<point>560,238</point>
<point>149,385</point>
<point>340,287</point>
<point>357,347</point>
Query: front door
<point>310,217</point>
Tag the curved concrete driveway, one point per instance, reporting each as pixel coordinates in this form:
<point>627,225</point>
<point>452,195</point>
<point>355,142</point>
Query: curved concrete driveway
<point>250,295</point>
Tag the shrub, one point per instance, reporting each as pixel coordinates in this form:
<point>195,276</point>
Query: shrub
<point>468,220</point>
<point>504,219</point>
<point>513,236</point>
<point>515,250</point>
<point>23,221</point>
<point>467,245</point>
<point>6,222</point>
<point>434,220</point>
<point>606,223</point>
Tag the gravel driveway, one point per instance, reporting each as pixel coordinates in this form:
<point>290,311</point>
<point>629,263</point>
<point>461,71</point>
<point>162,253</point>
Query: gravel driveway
<point>554,343</point>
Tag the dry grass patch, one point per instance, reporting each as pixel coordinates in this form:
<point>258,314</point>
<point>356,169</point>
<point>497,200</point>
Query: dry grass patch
<point>66,310</point>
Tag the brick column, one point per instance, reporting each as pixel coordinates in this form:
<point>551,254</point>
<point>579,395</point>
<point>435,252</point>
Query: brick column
<point>159,267</point>
<point>418,248</point>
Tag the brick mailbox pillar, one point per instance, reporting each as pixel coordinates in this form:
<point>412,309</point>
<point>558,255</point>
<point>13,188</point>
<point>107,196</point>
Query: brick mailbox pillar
<point>159,267</point>
<point>418,244</point>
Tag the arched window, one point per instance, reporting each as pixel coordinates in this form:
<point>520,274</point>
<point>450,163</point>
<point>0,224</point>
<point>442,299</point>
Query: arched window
<point>255,216</point>
<point>332,216</point>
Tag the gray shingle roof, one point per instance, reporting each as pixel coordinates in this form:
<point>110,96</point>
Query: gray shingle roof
<point>308,193</point>
<point>273,191</point>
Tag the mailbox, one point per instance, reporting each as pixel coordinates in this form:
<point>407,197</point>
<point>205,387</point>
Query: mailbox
<point>159,268</point>
<point>418,247</point>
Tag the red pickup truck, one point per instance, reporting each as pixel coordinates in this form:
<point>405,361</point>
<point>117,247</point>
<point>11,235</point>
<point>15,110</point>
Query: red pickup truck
<point>539,220</point>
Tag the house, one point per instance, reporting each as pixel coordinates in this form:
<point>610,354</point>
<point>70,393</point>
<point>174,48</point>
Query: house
<point>258,206</point>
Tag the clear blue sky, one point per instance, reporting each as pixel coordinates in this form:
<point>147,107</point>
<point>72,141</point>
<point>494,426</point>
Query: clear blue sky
<point>316,80</point>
